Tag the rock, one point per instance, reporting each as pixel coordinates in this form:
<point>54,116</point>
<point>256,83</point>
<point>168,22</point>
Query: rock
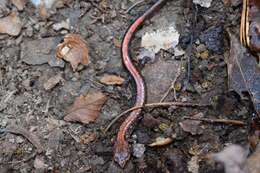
<point>62,25</point>
<point>158,77</point>
<point>161,39</point>
<point>40,51</point>
<point>138,150</point>
<point>53,81</point>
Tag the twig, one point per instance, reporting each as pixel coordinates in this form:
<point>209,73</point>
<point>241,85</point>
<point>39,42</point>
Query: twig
<point>172,87</point>
<point>224,121</point>
<point>149,105</point>
<point>133,6</point>
<point>189,52</point>
<point>31,137</point>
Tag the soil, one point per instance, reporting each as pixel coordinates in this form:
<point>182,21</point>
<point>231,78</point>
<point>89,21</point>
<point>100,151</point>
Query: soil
<point>28,60</point>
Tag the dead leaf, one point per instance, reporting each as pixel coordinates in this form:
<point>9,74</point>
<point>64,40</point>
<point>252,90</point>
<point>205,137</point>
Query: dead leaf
<point>11,25</point>
<point>192,126</point>
<point>85,109</point>
<point>87,138</point>
<point>112,80</point>
<point>20,4</point>
<point>161,141</point>
<point>243,72</point>
<point>74,50</point>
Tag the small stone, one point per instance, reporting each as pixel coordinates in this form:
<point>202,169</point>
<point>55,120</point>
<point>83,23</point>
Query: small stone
<point>52,82</point>
<point>62,25</point>
<point>138,150</point>
<point>178,51</point>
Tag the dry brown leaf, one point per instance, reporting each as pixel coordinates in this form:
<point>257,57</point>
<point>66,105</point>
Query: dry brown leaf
<point>11,25</point>
<point>20,4</point>
<point>192,126</point>
<point>86,109</point>
<point>87,138</point>
<point>74,50</point>
<point>112,80</point>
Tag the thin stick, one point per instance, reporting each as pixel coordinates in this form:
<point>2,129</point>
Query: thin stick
<point>149,105</point>
<point>133,6</point>
<point>224,121</point>
<point>172,87</point>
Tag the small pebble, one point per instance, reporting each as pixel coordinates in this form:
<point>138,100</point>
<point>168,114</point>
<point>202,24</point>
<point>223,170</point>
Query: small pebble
<point>138,150</point>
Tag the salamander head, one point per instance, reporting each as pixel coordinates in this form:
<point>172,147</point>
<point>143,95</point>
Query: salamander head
<point>121,153</point>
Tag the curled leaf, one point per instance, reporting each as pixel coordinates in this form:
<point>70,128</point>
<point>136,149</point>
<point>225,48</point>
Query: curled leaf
<point>161,141</point>
<point>112,80</point>
<point>11,25</point>
<point>74,50</point>
<point>86,109</point>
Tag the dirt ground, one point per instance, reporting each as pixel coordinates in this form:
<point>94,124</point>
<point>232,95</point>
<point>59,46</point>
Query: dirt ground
<point>28,60</point>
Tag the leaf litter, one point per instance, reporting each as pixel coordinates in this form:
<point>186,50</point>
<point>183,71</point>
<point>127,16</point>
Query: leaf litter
<point>243,72</point>
<point>86,109</point>
<point>112,80</point>
<point>192,126</point>
<point>73,49</point>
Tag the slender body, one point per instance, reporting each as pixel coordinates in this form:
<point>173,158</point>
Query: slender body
<point>122,152</point>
